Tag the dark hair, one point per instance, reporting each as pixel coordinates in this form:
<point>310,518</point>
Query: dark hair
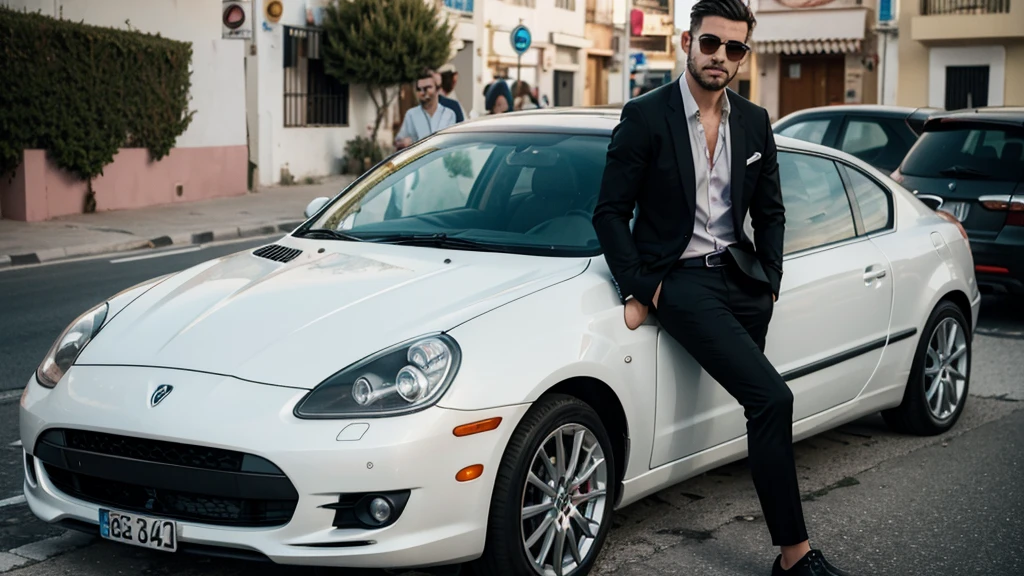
<point>425,73</point>
<point>729,9</point>
<point>498,88</point>
<point>448,80</point>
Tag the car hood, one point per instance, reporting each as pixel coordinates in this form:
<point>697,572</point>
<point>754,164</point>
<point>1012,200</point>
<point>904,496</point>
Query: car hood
<point>296,323</point>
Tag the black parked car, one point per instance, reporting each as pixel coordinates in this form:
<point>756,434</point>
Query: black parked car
<point>973,160</point>
<point>878,135</point>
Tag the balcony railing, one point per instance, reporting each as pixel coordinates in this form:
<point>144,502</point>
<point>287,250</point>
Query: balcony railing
<point>941,7</point>
<point>459,5</point>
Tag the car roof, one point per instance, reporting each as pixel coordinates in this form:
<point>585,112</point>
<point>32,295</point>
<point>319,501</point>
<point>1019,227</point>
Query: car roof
<point>860,110</point>
<point>595,120</point>
<point>1007,115</point>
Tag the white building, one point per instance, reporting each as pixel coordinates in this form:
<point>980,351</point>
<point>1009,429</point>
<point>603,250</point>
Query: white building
<point>298,118</point>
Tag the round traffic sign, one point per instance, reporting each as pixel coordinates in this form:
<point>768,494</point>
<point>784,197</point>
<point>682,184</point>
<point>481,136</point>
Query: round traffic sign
<point>521,38</point>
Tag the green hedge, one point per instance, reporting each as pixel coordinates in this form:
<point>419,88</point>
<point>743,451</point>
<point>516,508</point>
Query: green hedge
<point>82,92</point>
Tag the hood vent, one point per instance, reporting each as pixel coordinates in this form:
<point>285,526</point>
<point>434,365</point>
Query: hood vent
<point>277,253</point>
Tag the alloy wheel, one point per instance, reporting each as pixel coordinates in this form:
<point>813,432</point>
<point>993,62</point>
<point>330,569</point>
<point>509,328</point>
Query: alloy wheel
<point>945,370</point>
<point>563,500</point>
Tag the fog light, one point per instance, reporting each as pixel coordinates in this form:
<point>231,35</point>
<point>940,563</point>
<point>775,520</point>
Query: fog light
<point>380,509</point>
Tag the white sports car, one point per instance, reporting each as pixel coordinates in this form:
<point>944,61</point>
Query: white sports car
<point>434,368</point>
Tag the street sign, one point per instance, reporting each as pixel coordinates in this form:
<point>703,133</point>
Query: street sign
<point>235,20</point>
<point>885,9</point>
<point>521,39</point>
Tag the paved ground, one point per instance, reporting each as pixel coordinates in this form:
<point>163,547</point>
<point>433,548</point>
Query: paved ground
<point>183,223</point>
<point>876,502</point>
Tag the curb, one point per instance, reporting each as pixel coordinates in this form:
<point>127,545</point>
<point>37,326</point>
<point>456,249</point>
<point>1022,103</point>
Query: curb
<point>181,239</point>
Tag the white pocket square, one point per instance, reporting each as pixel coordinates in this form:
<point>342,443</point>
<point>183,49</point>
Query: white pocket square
<point>754,158</point>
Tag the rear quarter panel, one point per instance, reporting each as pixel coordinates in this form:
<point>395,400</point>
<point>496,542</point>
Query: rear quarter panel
<point>930,261</point>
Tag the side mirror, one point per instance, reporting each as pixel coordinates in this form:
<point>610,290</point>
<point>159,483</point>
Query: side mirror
<point>933,202</point>
<point>315,205</point>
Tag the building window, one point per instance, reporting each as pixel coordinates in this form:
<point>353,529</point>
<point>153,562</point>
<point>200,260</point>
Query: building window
<point>311,96</point>
<point>566,4</point>
<point>600,12</point>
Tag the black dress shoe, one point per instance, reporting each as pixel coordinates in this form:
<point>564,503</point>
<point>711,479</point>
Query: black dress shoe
<point>812,564</point>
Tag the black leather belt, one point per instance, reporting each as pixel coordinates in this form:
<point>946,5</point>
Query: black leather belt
<point>713,260</point>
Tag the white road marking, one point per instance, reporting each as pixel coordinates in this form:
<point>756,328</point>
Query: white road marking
<point>15,444</point>
<point>12,501</point>
<point>43,549</point>
<point>10,394</point>
<point>10,561</point>
<point>158,254</point>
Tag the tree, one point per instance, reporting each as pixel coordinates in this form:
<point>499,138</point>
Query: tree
<point>382,44</point>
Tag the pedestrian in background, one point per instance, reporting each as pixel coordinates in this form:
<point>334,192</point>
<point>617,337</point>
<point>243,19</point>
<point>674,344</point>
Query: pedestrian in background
<point>445,100</point>
<point>688,257</point>
<point>499,97</point>
<point>427,118</point>
<point>525,99</point>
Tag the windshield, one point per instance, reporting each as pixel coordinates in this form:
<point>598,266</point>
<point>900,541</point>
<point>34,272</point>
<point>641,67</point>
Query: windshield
<point>982,154</point>
<point>527,193</point>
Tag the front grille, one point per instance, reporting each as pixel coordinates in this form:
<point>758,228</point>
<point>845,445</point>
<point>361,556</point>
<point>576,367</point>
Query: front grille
<point>277,253</point>
<point>172,503</point>
<point>167,479</point>
<point>155,450</point>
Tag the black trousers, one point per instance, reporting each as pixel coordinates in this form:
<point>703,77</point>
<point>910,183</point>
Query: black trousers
<point>720,316</point>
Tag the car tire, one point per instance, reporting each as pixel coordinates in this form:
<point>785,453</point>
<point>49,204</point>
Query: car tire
<point>508,532</point>
<point>920,413</point>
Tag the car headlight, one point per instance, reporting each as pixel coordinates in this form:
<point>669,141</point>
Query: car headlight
<point>69,345</point>
<point>401,379</point>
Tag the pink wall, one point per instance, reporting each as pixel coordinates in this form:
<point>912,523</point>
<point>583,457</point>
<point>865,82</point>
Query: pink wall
<point>40,190</point>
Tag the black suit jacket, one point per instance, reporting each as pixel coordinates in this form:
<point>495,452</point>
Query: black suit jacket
<point>649,164</point>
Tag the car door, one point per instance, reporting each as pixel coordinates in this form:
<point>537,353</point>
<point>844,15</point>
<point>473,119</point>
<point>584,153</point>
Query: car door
<point>828,328</point>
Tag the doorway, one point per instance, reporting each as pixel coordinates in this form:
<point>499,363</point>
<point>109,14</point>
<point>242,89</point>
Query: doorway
<point>810,81</point>
<point>596,92</point>
<point>563,88</point>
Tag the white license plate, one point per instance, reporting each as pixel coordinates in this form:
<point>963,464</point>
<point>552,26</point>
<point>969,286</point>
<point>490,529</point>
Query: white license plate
<point>145,531</point>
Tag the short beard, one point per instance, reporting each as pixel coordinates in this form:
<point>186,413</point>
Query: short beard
<point>706,84</point>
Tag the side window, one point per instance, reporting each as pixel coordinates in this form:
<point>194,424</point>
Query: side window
<point>810,130</point>
<point>817,208</point>
<point>863,135</point>
<point>872,199</point>
<point>874,142</point>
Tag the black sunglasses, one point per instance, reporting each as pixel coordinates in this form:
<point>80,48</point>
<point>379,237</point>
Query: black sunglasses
<point>734,51</point>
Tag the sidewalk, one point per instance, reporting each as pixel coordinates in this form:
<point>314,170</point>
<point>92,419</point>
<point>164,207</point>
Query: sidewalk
<point>277,208</point>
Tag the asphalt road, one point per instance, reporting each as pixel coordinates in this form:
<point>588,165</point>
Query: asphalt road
<point>876,502</point>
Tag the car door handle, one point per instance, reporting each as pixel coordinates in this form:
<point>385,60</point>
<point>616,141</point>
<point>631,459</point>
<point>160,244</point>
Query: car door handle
<point>873,272</point>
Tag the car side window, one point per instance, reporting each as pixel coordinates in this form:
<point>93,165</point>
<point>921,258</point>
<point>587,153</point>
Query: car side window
<point>874,142</point>
<point>809,130</point>
<point>872,200</point>
<point>817,208</point>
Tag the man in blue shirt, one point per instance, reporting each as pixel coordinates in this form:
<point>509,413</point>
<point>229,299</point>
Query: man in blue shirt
<point>429,117</point>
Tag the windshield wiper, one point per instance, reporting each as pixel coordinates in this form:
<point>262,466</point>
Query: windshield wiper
<point>963,171</point>
<point>328,234</point>
<point>439,239</point>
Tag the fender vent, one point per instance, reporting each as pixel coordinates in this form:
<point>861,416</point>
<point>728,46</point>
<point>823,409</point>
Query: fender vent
<point>277,253</point>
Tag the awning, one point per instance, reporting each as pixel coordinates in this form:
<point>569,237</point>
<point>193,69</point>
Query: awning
<point>818,31</point>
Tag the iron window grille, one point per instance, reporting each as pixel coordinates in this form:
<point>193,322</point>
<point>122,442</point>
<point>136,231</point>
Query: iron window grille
<point>311,96</point>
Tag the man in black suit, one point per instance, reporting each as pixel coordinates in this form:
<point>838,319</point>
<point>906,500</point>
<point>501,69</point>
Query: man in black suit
<point>695,158</point>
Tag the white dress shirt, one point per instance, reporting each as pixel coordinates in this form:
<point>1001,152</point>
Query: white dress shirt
<point>713,227</point>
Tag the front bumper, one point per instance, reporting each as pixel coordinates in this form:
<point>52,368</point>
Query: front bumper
<point>443,522</point>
